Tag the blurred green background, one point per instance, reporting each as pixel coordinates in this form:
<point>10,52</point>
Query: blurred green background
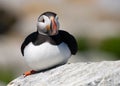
<point>94,23</point>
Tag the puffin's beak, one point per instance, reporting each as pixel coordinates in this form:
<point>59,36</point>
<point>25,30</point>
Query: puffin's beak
<point>48,27</point>
<point>53,26</point>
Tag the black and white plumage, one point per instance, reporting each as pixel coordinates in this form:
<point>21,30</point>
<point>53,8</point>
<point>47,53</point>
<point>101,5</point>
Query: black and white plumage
<point>48,46</point>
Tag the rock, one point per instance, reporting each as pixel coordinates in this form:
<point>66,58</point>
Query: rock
<point>105,73</point>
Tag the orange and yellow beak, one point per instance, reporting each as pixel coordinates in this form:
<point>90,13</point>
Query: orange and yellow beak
<point>52,28</point>
<point>53,23</point>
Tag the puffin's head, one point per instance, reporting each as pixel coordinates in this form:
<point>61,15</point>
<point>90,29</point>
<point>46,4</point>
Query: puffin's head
<point>48,24</point>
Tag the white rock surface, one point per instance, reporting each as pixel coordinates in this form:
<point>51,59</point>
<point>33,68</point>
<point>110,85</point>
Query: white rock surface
<point>106,73</point>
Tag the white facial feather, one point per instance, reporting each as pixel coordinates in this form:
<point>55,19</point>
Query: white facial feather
<point>42,25</point>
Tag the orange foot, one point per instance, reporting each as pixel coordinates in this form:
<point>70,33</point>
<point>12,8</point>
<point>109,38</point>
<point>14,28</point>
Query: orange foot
<point>29,73</point>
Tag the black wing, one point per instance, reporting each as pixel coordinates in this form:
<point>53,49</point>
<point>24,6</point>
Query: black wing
<point>69,40</point>
<point>28,39</point>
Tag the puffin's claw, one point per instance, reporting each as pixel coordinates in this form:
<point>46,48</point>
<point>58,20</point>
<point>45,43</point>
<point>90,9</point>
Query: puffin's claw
<point>29,73</point>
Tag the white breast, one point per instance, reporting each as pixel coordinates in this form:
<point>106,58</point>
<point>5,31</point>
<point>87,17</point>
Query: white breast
<point>46,55</point>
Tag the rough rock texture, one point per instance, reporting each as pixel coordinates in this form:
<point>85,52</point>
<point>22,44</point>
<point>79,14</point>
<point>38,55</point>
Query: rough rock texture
<point>106,73</point>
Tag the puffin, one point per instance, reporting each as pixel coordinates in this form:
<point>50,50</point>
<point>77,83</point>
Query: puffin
<point>48,47</point>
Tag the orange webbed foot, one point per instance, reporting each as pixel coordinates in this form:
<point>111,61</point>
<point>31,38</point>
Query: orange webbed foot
<point>29,73</point>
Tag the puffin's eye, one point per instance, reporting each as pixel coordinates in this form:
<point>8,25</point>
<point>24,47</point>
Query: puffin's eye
<point>43,20</point>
